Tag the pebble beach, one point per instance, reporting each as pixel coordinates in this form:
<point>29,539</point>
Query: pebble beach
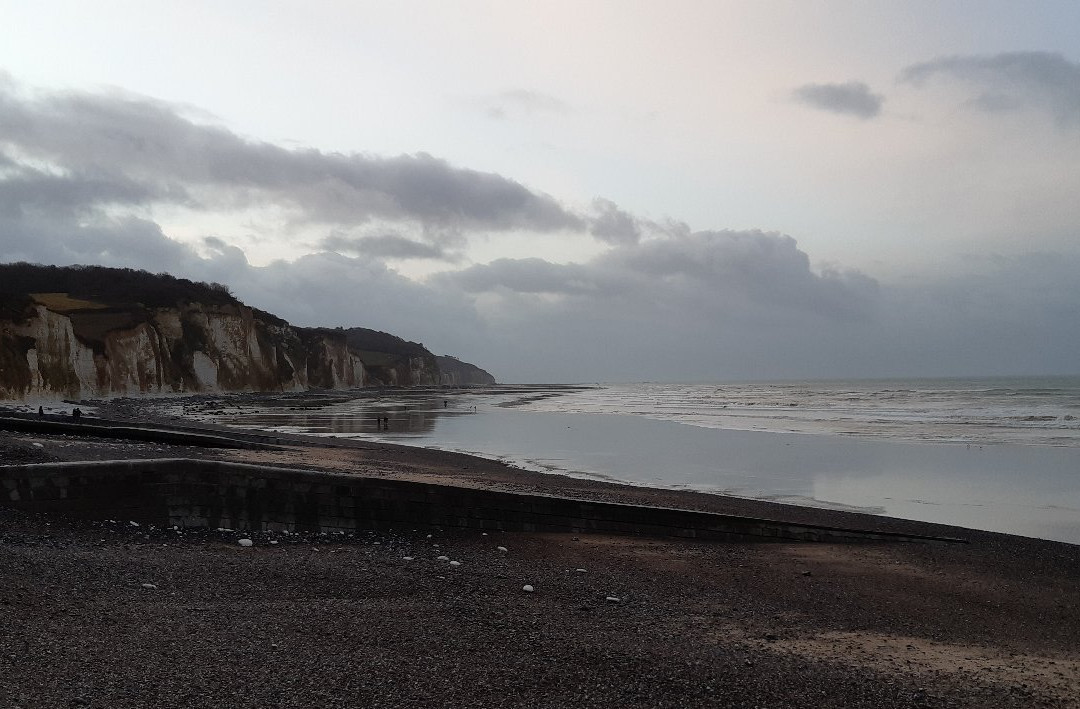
<point>109,614</point>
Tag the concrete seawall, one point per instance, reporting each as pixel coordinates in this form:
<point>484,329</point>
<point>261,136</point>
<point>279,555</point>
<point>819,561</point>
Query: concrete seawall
<point>201,493</point>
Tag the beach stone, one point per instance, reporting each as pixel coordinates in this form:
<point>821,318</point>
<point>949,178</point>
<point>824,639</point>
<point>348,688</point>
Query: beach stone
<point>443,558</point>
<point>149,587</point>
<point>245,542</point>
<point>613,599</point>
<point>527,588</point>
<point>407,558</point>
<point>455,563</point>
<point>502,549</point>
<point>580,571</point>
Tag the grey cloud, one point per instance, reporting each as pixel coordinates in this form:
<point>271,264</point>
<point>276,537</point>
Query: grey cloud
<point>612,224</point>
<point>1011,80</point>
<point>663,302</point>
<point>765,268</point>
<point>389,246</point>
<point>68,239</point>
<point>154,143</point>
<point>328,289</point>
<point>706,305</point>
<point>325,289</point>
<point>30,190</point>
<point>853,98</point>
<point>528,275</point>
<point>674,321</point>
<point>718,271</point>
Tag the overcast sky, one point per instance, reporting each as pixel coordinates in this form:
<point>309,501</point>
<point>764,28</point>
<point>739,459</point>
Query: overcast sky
<point>575,191</point>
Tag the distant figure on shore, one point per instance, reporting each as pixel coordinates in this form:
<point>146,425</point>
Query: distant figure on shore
<point>76,414</point>
<point>444,403</point>
<point>41,412</point>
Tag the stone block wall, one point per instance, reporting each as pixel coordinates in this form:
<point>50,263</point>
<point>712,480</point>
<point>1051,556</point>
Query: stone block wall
<point>201,493</point>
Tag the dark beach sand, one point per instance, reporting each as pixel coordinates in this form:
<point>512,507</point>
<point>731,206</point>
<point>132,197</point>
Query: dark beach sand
<point>347,622</point>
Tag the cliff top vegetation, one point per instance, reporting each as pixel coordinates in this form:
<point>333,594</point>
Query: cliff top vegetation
<point>361,338</point>
<point>100,284</point>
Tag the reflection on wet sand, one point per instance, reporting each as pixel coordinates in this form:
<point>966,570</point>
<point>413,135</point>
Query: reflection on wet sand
<point>413,412</point>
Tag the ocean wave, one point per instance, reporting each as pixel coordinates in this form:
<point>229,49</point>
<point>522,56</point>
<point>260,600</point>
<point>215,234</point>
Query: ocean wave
<point>971,411</point>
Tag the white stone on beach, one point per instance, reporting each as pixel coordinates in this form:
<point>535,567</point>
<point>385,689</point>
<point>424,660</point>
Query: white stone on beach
<point>455,563</point>
<point>443,558</point>
<point>245,542</point>
<point>149,586</point>
<point>527,588</point>
<point>38,445</point>
<point>502,549</point>
<point>611,599</point>
<point>133,523</point>
<point>407,558</point>
<point>580,571</point>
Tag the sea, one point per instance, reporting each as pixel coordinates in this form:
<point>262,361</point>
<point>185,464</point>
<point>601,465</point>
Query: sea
<point>998,454</point>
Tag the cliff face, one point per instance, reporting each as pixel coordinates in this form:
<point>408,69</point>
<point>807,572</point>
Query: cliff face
<point>392,361</point>
<point>91,332</point>
<point>98,351</point>
<point>455,372</point>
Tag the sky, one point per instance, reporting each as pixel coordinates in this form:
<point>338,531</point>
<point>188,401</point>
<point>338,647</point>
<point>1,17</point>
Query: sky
<point>611,190</point>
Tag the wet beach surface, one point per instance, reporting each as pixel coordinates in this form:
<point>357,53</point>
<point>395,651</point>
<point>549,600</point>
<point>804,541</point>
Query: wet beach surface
<point>113,615</point>
<point>1030,490</point>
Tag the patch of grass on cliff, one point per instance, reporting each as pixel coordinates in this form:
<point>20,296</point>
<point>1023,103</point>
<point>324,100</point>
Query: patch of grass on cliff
<point>63,303</point>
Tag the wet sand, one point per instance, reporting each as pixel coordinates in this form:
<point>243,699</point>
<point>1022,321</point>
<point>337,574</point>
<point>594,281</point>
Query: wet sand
<point>342,622</point>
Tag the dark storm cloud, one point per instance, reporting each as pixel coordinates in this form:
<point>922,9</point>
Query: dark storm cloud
<point>389,246</point>
<point>138,139</point>
<point>1011,80</point>
<point>853,98</point>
